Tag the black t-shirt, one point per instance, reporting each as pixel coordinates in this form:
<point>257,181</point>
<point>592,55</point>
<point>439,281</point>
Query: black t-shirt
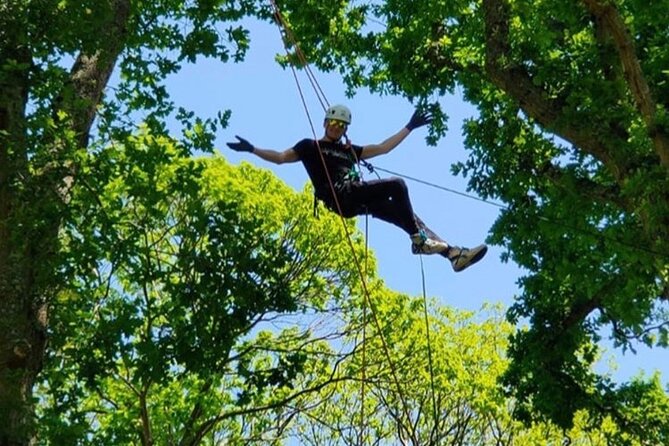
<point>339,159</point>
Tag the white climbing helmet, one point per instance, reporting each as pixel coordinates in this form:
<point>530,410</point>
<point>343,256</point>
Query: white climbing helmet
<point>339,112</point>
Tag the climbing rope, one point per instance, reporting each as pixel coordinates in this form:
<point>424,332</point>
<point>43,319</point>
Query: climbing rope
<point>282,25</point>
<point>429,350</point>
<point>363,377</point>
<point>594,234</point>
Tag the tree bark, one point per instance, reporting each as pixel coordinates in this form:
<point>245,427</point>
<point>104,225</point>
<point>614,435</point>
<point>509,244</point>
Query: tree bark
<point>514,80</point>
<point>32,206</point>
<point>614,24</point>
<point>22,319</point>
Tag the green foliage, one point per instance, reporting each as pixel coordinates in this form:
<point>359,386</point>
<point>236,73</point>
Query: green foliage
<point>157,328</point>
<point>420,392</point>
<point>180,267</point>
<point>571,133</point>
<point>76,76</point>
<point>644,403</point>
<point>158,39</point>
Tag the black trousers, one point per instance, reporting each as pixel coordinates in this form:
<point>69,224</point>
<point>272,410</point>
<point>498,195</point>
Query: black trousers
<point>386,199</point>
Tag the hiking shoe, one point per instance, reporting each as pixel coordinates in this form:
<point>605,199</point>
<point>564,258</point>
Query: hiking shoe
<point>462,258</point>
<point>421,244</point>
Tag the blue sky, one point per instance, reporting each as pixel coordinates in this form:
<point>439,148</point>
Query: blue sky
<point>267,110</point>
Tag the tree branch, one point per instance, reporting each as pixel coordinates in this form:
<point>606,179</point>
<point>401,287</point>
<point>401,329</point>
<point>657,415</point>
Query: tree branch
<point>209,424</point>
<point>613,23</point>
<point>146,434</point>
<point>90,73</point>
<point>585,186</point>
<point>517,83</point>
<point>195,415</point>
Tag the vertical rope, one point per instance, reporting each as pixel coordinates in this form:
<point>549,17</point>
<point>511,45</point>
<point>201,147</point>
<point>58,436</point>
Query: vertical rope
<point>361,440</point>
<point>429,347</point>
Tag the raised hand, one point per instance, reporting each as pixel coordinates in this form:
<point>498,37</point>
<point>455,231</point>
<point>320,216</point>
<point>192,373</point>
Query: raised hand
<point>241,146</point>
<point>419,119</point>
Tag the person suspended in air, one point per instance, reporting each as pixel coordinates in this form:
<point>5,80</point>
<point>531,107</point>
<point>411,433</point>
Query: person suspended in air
<point>385,199</point>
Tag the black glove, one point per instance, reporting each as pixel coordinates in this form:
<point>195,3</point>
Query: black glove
<point>241,146</point>
<point>419,119</point>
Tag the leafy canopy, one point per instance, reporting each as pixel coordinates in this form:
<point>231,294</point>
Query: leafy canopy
<point>572,133</point>
<point>183,270</point>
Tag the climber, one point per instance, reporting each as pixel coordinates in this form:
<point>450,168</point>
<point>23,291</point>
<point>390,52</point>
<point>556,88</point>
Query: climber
<point>386,199</point>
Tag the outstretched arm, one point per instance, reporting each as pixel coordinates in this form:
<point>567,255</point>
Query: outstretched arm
<point>418,119</point>
<point>273,156</point>
<point>276,157</point>
<point>372,150</point>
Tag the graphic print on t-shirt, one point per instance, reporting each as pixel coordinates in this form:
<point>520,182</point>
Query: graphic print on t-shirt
<point>339,159</point>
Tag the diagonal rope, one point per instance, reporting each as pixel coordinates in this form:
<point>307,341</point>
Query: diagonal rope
<point>283,26</point>
<point>367,295</point>
<point>592,233</point>
<point>437,186</point>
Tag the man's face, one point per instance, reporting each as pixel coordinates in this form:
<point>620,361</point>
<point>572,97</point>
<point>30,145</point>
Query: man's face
<point>335,129</point>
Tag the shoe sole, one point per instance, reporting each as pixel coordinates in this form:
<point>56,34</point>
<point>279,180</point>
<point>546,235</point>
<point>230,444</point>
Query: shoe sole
<point>479,255</point>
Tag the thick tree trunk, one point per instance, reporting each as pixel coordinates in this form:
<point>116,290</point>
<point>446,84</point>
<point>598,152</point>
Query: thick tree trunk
<point>32,201</point>
<point>22,345</point>
<point>28,261</point>
<point>22,315</point>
